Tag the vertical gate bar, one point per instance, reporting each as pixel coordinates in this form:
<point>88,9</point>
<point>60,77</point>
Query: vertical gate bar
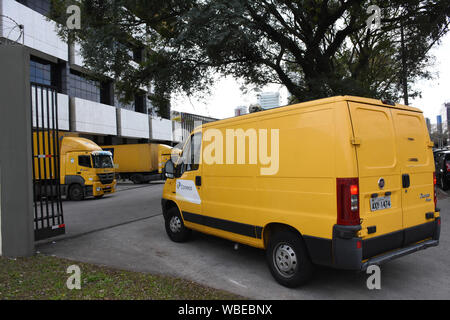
<point>38,146</point>
<point>32,160</point>
<point>61,216</point>
<point>50,171</point>
<point>55,141</point>
<point>44,152</point>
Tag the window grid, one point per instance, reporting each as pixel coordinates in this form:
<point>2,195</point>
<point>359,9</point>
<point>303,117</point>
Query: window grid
<point>83,88</point>
<point>40,72</point>
<point>41,6</point>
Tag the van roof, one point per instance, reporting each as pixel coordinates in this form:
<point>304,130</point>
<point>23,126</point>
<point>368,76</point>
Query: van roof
<point>312,103</point>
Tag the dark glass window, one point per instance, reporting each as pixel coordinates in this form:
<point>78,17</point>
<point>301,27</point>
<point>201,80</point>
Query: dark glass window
<point>84,161</point>
<point>41,6</point>
<point>81,87</point>
<point>191,153</point>
<point>102,161</point>
<point>40,71</point>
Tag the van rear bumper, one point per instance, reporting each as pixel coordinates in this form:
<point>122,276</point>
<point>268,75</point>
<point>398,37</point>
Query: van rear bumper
<point>378,260</point>
<point>353,253</point>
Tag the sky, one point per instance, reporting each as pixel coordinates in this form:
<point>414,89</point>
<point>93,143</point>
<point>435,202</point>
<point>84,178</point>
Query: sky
<point>226,94</point>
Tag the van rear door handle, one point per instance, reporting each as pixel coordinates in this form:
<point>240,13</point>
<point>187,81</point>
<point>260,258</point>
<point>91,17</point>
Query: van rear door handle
<point>405,180</point>
<point>198,181</point>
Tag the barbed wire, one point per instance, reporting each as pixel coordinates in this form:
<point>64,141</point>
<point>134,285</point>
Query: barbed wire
<point>13,34</point>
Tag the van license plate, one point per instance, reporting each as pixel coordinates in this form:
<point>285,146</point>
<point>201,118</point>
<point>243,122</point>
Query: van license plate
<point>380,203</point>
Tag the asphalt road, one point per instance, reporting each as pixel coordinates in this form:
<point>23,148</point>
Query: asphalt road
<point>126,231</point>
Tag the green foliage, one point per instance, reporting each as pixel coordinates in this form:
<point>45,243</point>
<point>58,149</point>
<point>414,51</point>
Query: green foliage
<point>316,48</point>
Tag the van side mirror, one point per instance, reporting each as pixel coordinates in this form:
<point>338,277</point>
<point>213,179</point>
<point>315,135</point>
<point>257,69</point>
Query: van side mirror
<point>169,169</point>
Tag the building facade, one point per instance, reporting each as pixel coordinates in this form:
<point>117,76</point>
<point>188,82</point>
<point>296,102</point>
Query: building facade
<point>184,123</point>
<point>445,119</point>
<point>269,100</point>
<point>87,107</point>
<point>239,111</point>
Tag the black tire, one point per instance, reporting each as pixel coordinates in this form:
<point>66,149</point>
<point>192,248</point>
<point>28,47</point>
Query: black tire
<point>137,178</point>
<point>294,267</point>
<point>76,192</point>
<point>175,228</point>
<point>99,197</point>
<point>443,183</point>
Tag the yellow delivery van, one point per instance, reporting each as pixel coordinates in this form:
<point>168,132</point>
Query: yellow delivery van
<point>344,182</point>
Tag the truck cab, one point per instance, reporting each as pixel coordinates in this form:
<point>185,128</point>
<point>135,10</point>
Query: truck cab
<point>86,170</point>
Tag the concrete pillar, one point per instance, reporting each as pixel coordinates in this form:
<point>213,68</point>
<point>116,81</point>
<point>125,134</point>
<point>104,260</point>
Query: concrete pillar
<point>16,194</point>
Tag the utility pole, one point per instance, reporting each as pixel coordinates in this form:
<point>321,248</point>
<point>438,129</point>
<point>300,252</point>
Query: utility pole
<point>404,67</point>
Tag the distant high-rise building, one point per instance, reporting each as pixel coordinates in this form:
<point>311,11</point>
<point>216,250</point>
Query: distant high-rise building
<point>428,121</point>
<point>239,111</point>
<point>445,119</point>
<point>268,100</point>
<point>445,116</point>
<point>439,123</point>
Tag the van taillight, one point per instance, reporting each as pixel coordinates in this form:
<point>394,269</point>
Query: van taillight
<point>447,164</point>
<point>434,188</point>
<point>347,193</point>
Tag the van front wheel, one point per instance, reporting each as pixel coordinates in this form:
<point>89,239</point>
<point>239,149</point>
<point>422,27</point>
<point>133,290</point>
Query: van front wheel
<point>175,228</point>
<point>288,259</point>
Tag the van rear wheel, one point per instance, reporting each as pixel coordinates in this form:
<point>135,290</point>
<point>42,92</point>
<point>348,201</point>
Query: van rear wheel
<point>175,228</point>
<point>288,259</point>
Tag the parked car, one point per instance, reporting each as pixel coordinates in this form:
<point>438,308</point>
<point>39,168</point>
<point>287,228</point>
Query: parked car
<point>442,160</point>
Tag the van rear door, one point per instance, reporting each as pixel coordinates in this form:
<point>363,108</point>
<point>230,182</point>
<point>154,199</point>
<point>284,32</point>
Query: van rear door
<point>380,188</point>
<point>392,148</point>
<point>416,165</point>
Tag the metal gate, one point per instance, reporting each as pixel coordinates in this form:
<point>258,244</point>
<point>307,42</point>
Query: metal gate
<point>48,210</point>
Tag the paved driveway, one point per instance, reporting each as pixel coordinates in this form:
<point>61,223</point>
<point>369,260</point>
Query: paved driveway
<point>126,231</point>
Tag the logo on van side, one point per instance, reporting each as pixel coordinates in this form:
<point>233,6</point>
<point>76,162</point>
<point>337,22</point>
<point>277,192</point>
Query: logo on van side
<point>186,191</point>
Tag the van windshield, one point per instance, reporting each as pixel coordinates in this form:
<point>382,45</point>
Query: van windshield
<point>102,161</point>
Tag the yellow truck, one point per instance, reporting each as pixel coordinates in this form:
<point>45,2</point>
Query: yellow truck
<point>141,163</point>
<point>345,182</point>
<point>85,169</point>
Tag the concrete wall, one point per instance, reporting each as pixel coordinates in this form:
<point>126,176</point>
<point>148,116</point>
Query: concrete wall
<point>75,55</point>
<point>92,117</point>
<point>40,34</point>
<point>16,208</point>
<point>161,129</point>
<point>132,124</point>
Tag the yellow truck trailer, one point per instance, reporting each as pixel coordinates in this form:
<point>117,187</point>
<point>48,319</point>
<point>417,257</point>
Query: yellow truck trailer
<point>84,168</point>
<point>141,163</point>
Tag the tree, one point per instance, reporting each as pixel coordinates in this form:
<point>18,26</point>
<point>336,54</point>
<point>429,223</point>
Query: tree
<point>316,48</point>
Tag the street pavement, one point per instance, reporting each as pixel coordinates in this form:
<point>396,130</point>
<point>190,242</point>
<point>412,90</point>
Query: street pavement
<point>126,231</point>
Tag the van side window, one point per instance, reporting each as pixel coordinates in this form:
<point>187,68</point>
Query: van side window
<point>191,153</point>
<point>84,161</point>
